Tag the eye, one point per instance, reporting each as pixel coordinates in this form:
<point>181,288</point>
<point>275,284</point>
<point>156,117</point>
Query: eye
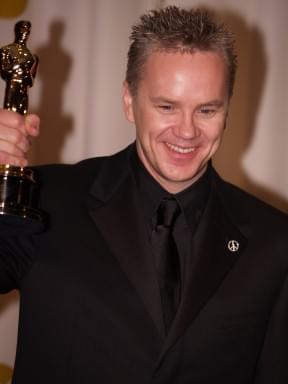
<point>207,111</point>
<point>165,107</point>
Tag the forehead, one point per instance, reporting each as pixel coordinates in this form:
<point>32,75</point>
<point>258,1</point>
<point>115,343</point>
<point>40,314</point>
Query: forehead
<point>199,69</point>
<point>157,61</point>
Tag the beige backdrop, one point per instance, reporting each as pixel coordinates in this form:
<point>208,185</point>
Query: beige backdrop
<point>82,47</point>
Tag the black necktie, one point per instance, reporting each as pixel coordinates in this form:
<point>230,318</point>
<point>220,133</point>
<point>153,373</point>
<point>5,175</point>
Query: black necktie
<point>167,259</point>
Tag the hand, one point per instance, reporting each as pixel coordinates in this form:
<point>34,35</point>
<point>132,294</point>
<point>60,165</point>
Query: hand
<point>16,132</point>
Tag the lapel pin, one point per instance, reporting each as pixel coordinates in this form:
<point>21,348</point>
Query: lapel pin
<point>233,245</point>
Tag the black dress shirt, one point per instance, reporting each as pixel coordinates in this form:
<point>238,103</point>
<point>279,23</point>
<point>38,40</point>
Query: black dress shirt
<point>192,202</point>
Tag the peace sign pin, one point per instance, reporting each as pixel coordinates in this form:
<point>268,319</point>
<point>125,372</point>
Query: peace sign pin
<point>233,245</point>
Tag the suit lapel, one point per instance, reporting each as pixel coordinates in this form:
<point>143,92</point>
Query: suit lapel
<point>209,262</point>
<point>116,211</point>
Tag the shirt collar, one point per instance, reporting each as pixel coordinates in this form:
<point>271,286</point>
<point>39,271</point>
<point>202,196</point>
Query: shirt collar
<point>192,200</point>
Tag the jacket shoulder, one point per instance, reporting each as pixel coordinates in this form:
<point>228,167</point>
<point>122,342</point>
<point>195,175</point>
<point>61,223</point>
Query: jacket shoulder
<point>240,203</point>
<point>81,174</point>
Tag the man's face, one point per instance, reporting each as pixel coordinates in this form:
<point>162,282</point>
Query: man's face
<point>179,111</point>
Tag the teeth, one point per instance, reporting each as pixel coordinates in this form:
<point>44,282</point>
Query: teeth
<point>180,149</point>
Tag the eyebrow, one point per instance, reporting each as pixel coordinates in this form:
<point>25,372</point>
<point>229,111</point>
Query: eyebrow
<point>215,103</point>
<point>160,99</point>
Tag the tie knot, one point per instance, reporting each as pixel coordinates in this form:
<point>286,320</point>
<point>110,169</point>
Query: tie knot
<point>167,212</point>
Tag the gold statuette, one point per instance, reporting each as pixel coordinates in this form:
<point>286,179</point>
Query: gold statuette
<point>18,66</point>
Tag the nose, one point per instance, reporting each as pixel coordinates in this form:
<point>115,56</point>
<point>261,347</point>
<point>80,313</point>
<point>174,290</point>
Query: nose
<point>186,127</point>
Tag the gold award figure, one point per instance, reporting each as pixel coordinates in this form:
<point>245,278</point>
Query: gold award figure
<point>18,66</point>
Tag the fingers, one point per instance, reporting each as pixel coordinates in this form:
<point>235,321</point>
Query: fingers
<point>16,132</point>
<point>7,158</point>
<point>32,123</point>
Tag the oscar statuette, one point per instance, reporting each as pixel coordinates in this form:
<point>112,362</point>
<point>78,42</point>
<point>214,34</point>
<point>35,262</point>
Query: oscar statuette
<point>18,189</point>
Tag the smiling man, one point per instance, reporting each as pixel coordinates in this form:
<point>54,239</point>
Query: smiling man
<point>179,109</point>
<point>152,268</point>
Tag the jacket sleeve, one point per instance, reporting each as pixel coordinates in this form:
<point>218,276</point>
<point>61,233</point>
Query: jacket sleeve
<point>273,361</point>
<point>16,258</point>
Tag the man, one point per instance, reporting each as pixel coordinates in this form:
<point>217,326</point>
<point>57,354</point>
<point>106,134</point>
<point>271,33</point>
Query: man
<point>100,303</point>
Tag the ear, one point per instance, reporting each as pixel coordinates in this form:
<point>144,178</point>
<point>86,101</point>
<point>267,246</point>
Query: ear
<point>128,103</point>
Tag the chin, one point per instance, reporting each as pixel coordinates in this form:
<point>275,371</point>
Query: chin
<point>182,175</point>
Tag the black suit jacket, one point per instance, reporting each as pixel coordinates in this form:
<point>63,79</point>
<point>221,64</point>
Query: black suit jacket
<point>90,307</point>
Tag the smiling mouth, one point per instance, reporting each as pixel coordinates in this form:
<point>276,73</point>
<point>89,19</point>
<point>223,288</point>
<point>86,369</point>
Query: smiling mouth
<point>178,149</point>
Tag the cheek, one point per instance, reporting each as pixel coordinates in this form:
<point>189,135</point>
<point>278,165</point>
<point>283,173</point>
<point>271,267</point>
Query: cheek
<point>153,126</point>
<point>164,124</point>
<point>215,141</point>
<point>213,133</point>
